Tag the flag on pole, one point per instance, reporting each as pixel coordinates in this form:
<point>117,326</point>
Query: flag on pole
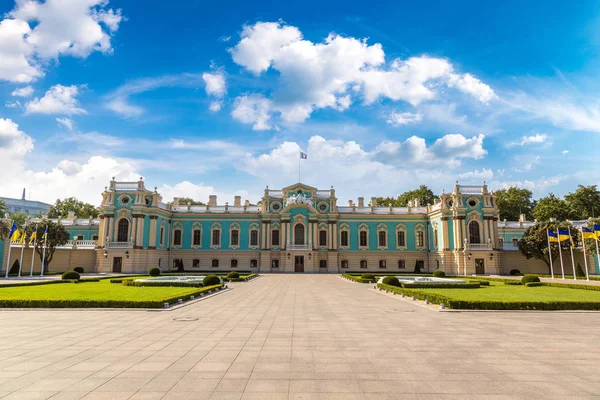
<point>12,232</point>
<point>597,230</point>
<point>552,237</point>
<point>23,237</point>
<point>33,236</point>
<point>565,235</point>
<point>303,156</point>
<point>45,236</point>
<point>587,233</point>
<point>16,234</point>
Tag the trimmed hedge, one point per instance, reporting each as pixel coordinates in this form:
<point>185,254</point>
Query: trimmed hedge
<point>492,305</point>
<point>514,272</point>
<point>211,280</point>
<point>433,285</point>
<point>512,282</point>
<point>368,276</point>
<point>137,283</point>
<point>392,281</point>
<point>438,273</point>
<point>481,283</point>
<point>533,284</point>
<point>242,278</point>
<point>31,284</point>
<point>154,271</point>
<point>70,275</point>
<point>572,286</point>
<point>5,303</point>
<point>233,275</point>
<point>357,279</point>
<point>530,278</point>
<point>79,270</point>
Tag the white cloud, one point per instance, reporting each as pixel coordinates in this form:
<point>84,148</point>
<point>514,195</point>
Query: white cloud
<point>14,143</point>
<point>332,73</point>
<point>60,27</point>
<point>215,106</point>
<point>404,118</point>
<point>58,99</point>
<point>23,91</point>
<point>483,174</point>
<point>526,140</point>
<point>253,109</point>
<point>198,192</point>
<point>564,152</point>
<point>66,122</point>
<point>13,104</point>
<point>215,83</point>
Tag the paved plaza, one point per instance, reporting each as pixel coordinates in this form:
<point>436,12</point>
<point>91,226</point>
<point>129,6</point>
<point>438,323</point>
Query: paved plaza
<point>298,337</point>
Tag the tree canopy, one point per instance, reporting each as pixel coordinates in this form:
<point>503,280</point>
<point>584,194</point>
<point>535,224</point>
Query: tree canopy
<point>186,201</point>
<point>61,209</point>
<point>513,202</point>
<point>57,236</point>
<point>3,209</point>
<point>584,203</point>
<point>534,243</point>
<point>423,193</point>
<point>551,207</point>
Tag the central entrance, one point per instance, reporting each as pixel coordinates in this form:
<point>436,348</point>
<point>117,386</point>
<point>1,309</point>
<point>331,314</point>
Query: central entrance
<point>298,263</point>
<point>117,264</point>
<point>479,266</point>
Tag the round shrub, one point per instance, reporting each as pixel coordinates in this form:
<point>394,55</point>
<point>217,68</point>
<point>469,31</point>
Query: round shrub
<point>533,284</point>
<point>233,275</point>
<point>391,280</point>
<point>530,278</point>
<point>211,280</point>
<point>154,271</point>
<point>514,272</point>
<point>368,276</point>
<point>438,273</point>
<point>70,275</point>
<point>78,270</point>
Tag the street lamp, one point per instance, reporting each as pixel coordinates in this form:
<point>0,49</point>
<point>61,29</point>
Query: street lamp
<point>127,253</point>
<point>105,254</point>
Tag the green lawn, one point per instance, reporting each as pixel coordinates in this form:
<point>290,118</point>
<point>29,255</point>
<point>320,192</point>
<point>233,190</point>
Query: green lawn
<point>94,294</point>
<point>498,291</point>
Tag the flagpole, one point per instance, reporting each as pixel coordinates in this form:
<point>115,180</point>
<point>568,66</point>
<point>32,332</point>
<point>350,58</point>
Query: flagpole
<point>44,251</point>
<point>33,251</point>
<point>587,274</point>
<point>572,258</point>
<point>562,268</point>
<point>299,159</point>
<point>550,252</point>
<point>9,249</point>
<point>597,252</point>
<point>22,248</point>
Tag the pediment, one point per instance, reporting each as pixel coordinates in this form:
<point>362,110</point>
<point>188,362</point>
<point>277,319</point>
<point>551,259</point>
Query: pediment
<point>299,186</point>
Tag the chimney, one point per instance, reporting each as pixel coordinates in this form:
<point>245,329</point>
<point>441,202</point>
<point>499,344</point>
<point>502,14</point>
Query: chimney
<point>237,201</point>
<point>212,200</point>
<point>349,203</point>
<point>23,197</point>
<point>361,202</point>
<point>373,201</point>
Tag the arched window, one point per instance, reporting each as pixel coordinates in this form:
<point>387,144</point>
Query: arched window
<point>344,263</point>
<point>501,240</point>
<point>420,239</point>
<point>382,239</point>
<point>344,238</point>
<point>299,234</point>
<point>363,239</point>
<point>197,236</point>
<point>162,235</point>
<point>235,237</point>
<point>275,237</point>
<point>363,263</point>
<point>253,263</point>
<point>253,237</point>
<point>474,232</point>
<point>515,242</point>
<point>123,232</point>
<point>177,237</point>
<point>216,237</point>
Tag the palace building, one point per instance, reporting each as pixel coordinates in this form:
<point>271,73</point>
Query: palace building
<point>297,229</point>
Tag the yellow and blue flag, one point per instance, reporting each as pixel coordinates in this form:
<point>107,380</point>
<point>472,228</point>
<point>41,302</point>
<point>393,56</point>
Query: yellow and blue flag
<point>45,236</point>
<point>564,236</point>
<point>33,236</point>
<point>23,237</point>
<point>597,230</point>
<point>13,230</point>
<point>552,237</point>
<point>587,233</point>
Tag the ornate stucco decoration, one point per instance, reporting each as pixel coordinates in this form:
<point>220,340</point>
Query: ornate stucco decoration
<point>298,199</point>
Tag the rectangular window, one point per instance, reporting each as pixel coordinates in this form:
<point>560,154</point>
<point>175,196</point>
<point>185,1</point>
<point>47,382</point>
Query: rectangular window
<point>322,238</point>
<point>382,239</point>
<point>235,237</point>
<point>382,264</point>
<point>162,235</point>
<point>196,263</point>
<point>197,237</point>
<point>95,237</point>
<point>344,263</point>
<point>401,264</point>
<point>79,237</point>
<point>216,237</point>
<point>275,263</point>
<point>253,263</point>
<point>363,238</point>
<point>323,264</point>
<point>215,263</point>
<point>344,238</point>
<point>254,237</point>
<point>177,237</point>
<point>234,263</point>
<point>275,237</point>
<point>401,239</point>
<point>363,263</point>
<point>420,240</point>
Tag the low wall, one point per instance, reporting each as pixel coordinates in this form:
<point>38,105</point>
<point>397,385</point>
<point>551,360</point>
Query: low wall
<point>63,260</point>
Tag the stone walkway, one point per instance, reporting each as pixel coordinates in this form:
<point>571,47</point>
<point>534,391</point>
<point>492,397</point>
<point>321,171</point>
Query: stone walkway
<point>298,337</point>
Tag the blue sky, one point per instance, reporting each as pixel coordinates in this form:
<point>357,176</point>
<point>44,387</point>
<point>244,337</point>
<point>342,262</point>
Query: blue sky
<point>200,99</point>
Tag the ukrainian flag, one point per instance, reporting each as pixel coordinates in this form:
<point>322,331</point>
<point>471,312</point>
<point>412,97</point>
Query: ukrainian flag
<point>587,233</point>
<point>45,236</point>
<point>13,231</point>
<point>33,236</point>
<point>552,237</point>
<point>597,231</point>
<point>23,237</point>
<point>564,236</point>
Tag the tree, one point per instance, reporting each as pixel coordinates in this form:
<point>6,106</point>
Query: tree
<point>19,218</point>
<point>186,201</point>
<point>423,193</point>
<point>534,243</point>
<point>3,209</point>
<point>551,207</point>
<point>5,226</point>
<point>57,236</point>
<point>584,203</point>
<point>61,209</point>
<point>513,202</point>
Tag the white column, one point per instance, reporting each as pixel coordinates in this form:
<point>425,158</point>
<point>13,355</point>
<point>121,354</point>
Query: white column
<point>140,228</point>
<point>134,232</point>
<point>282,238</point>
<point>263,229</point>
<point>269,235</point>
<point>152,238</point>
<point>335,236</point>
<point>111,224</point>
<point>445,233</point>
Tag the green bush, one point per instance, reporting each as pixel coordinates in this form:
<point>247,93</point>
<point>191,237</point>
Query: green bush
<point>368,276</point>
<point>357,278</point>
<point>481,283</point>
<point>233,275</point>
<point>512,282</point>
<point>514,272</point>
<point>70,275</point>
<point>532,284</point>
<point>392,281</point>
<point>438,273</point>
<point>579,271</point>
<point>434,285</point>
<point>211,280</point>
<point>530,278</point>
<point>132,282</point>
<point>78,270</point>
<point>154,271</point>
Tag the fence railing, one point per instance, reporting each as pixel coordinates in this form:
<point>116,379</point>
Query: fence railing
<point>299,247</point>
<point>119,245</point>
<point>479,246</point>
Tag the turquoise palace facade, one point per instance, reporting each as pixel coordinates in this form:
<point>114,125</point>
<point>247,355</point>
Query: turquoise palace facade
<point>297,229</point>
